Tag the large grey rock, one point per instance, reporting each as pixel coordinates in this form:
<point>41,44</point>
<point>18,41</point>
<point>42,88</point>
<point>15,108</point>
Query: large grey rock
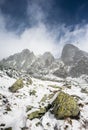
<point>71,54</point>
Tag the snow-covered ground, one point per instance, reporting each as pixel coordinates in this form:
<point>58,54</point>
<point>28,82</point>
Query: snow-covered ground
<point>13,106</point>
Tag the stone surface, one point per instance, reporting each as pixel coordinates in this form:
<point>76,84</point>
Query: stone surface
<point>17,85</point>
<point>65,106</point>
<point>80,68</point>
<point>37,114</point>
<point>9,128</point>
<point>71,54</point>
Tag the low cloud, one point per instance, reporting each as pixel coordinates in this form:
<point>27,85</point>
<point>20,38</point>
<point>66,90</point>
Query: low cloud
<point>38,38</point>
<point>77,37</point>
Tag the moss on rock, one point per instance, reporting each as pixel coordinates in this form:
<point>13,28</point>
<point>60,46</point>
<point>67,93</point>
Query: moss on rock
<point>65,106</point>
<point>44,98</point>
<point>16,86</point>
<point>10,128</point>
<point>37,114</point>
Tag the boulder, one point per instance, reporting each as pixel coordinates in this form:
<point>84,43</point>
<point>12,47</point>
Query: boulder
<point>65,106</point>
<point>16,86</point>
<point>37,114</point>
<point>9,128</point>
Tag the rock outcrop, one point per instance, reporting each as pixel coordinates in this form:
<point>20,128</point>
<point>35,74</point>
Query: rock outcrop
<point>80,68</point>
<point>20,61</point>
<point>73,63</point>
<point>65,106</point>
<point>71,54</point>
<point>61,72</point>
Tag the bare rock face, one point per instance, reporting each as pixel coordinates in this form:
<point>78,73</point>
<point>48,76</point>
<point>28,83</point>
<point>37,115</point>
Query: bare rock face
<point>48,58</point>
<point>44,60</point>
<point>61,72</point>
<point>21,61</point>
<point>76,60</point>
<point>71,54</point>
<point>41,65</point>
<point>73,62</point>
<point>81,68</point>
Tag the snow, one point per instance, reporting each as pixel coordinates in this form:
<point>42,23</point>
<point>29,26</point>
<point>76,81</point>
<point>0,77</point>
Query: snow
<point>22,62</point>
<point>18,102</point>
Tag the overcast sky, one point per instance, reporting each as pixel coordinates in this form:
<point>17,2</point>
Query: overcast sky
<point>42,25</point>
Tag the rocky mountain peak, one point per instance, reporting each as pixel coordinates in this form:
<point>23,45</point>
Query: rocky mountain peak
<point>26,51</point>
<point>71,54</point>
<point>48,55</point>
<point>68,53</point>
<point>70,46</point>
<point>48,58</point>
<point>20,60</point>
<point>73,62</point>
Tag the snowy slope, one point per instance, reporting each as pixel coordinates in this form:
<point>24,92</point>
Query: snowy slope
<point>13,106</point>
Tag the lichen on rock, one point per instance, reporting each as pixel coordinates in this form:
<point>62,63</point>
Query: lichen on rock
<point>37,114</point>
<point>9,128</point>
<point>17,85</point>
<point>65,106</point>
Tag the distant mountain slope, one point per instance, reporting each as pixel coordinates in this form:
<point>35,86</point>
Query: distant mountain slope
<point>21,61</point>
<point>27,61</point>
<point>73,62</point>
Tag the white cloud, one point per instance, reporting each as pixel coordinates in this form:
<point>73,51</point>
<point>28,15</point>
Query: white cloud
<point>36,39</point>
<point>39,39</point>
<point>78,37</point>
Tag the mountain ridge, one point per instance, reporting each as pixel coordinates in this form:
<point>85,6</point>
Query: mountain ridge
<point>73,62</point>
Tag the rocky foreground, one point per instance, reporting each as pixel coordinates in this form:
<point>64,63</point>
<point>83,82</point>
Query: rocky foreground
<point>42,104</point>
<point>44,93</point>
